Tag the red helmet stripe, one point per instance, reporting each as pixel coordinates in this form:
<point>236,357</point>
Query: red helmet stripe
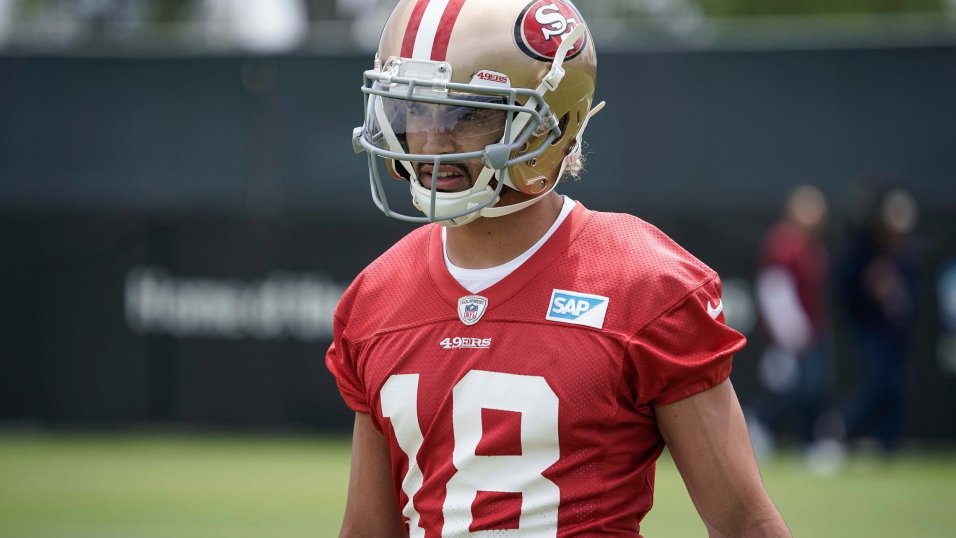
<point>447,24</point>
<point>411,32</point>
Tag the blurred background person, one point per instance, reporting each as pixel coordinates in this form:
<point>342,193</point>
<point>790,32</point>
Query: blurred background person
<point>878,280</point>
<point>796,368</point>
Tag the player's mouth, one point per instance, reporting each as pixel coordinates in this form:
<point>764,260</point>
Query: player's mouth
<point>450,177</point>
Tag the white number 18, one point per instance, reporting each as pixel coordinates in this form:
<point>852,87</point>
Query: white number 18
<point>529,395</point>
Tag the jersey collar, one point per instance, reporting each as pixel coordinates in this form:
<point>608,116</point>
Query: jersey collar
<point>451,290</point>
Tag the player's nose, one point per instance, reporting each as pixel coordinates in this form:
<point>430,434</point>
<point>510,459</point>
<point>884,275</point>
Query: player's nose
<point>439,140</point>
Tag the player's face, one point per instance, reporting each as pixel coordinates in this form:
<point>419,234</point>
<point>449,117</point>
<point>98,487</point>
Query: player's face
<point>445,129</point>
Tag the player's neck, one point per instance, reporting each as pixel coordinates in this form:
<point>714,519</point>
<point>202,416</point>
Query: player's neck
<point>490,242</point>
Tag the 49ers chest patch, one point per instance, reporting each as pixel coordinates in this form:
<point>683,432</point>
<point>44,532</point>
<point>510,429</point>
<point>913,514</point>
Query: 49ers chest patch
<point>577,308</point>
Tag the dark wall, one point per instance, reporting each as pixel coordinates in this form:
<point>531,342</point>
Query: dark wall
<point>270,135</point>
<point>173,229</point>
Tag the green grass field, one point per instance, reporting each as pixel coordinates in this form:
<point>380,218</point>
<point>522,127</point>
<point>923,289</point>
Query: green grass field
<point>130,486</point>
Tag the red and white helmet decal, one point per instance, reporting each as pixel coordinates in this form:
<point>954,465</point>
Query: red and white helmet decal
<point>429,29</point>
<point>539,29</point>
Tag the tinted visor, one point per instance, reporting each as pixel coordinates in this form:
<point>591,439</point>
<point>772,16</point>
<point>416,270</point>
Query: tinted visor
<point>420,129</point>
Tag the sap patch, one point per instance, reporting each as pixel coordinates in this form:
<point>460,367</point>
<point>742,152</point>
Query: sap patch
<point>577,308</point>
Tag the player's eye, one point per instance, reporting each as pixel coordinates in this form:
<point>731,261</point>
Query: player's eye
<point>417,110</point>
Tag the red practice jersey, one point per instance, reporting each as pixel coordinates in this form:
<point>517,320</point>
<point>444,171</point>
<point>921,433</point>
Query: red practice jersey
<point>528,409</point>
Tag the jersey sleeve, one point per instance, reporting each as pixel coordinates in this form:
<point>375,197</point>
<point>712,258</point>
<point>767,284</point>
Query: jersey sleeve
<point>686,350</point>
<point>340,362</point>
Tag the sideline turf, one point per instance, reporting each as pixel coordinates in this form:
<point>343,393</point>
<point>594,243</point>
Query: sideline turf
<point>912,496</point>
<point>145,486</point>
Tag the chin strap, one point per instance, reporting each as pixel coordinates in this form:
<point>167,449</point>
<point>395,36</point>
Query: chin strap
<point>575,152</point>
<point>479,193</point>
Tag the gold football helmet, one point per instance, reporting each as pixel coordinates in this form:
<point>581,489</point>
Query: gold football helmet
<point>467,97</point>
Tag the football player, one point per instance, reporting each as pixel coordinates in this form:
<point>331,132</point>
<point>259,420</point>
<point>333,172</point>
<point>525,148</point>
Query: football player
<point>517,365</point>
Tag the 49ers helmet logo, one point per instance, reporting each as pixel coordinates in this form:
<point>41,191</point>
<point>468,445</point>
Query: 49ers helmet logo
<point>539,29</point>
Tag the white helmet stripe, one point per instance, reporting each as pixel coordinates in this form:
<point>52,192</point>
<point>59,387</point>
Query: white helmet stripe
<point>431,24</point>
<point>425,39</point>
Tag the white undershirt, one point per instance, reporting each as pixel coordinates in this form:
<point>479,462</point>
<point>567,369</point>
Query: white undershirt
<point>475,280</point>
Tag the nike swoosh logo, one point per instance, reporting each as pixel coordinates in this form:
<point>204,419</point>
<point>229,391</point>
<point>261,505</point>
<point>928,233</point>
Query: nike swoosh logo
<point>714,311</point>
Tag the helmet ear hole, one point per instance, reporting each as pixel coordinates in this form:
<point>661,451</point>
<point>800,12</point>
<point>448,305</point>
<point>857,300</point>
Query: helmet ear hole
<point>539,185</point>
<point>563,125</point>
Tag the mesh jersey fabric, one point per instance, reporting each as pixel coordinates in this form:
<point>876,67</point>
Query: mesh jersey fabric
<point>480,464</point>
